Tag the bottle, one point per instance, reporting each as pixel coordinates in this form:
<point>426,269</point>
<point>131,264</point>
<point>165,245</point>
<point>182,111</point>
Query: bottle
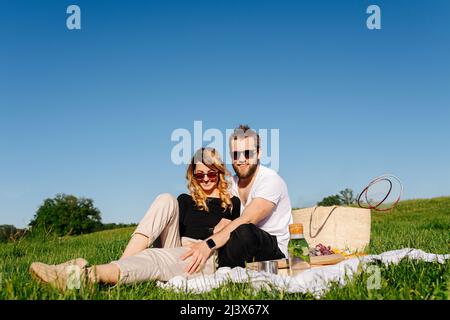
<point>298,249</point>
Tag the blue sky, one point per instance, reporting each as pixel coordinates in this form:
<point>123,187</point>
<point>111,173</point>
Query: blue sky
<point>90,112</point>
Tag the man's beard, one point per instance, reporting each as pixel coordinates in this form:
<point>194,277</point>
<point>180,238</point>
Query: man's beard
<point>251,171</point>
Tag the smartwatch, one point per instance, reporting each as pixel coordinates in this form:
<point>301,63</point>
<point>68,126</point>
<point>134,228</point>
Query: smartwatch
<point>211,244</point>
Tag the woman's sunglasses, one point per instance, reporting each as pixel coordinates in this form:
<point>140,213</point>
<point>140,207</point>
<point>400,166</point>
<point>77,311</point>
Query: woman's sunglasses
<point>248,154</point>
<point>212,176</point>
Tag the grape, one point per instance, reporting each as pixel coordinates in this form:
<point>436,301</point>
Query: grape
<point>321,250</point>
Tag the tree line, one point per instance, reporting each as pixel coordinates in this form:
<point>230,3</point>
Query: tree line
<point>344,197</point>
<point>61,216</point>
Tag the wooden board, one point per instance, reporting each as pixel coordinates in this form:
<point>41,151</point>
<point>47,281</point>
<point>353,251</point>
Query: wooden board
<point>283,264</point>
<point>316,261</point>
<point>327,260</point>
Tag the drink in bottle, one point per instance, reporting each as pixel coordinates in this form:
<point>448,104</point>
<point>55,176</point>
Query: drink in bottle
<point>298,249</point>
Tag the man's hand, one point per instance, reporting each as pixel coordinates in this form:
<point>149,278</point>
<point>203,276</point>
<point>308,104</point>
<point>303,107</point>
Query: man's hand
<point>222,224</point>
<point>200,253</point>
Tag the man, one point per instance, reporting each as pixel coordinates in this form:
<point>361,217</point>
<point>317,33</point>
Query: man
<point>262,230</point>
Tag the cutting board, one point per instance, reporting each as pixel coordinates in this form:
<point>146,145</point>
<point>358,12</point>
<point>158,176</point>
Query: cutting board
<point>316,261</point>
<point>327,260</point>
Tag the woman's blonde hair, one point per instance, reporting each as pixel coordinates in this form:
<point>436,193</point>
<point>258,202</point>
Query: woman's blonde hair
<point>210,158</point>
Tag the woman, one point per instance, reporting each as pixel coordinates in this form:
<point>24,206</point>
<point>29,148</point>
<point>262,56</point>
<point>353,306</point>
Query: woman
<point>179,223</point>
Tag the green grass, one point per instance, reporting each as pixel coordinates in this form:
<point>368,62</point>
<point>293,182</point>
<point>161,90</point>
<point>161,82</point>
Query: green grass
<point>422,224</point>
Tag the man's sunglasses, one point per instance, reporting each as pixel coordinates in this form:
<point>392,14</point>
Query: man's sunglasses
<point>212,176</point>
<point>247,154</point>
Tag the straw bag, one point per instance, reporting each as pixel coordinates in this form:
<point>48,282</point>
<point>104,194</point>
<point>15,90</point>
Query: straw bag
<point>344,228</point>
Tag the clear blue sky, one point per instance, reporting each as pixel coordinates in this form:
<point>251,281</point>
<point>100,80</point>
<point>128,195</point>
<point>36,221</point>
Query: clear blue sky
<point>91,112</point>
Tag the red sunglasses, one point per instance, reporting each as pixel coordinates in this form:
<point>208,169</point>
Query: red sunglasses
<point>212,176</point>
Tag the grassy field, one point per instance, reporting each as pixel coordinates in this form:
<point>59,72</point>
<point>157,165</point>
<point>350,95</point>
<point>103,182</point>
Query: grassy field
<point>422,224</point>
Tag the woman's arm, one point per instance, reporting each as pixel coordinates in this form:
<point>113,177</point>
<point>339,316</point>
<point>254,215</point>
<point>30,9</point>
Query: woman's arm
<point>235,213</point>
<point>182,211</point>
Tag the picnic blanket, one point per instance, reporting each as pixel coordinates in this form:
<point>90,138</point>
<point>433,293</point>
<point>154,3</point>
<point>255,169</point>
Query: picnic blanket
<point>314,281</point>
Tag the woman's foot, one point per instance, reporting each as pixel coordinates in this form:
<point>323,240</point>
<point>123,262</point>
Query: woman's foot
<point>61,276</point>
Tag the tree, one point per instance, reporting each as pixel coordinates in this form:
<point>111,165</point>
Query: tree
<point>346,196</point>
<point>6,231</point>
<point>10,233</point>
<point>66,214</point>
<point>330,201</point>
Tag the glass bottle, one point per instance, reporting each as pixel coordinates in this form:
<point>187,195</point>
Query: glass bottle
<point>298,249</point>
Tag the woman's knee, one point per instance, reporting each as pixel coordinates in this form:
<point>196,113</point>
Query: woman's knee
<point>166,197</point>
<point>165,200</point>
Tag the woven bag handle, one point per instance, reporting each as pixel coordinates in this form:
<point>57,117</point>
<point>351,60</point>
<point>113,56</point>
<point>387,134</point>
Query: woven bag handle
<point>323,224</point>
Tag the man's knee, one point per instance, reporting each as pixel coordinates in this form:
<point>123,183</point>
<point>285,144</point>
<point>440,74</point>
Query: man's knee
<point>244,234</point>
<point>241,247</point>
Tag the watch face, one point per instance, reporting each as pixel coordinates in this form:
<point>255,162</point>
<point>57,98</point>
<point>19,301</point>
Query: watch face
<point>211,244</point>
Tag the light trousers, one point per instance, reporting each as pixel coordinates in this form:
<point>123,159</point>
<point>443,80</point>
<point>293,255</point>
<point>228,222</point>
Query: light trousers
<point>161,220</point>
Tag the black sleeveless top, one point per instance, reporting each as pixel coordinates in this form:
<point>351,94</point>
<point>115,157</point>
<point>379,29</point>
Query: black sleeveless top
<point>198,224</point>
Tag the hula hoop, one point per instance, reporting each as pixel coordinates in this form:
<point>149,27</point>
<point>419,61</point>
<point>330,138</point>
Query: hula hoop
<point>385,177</point>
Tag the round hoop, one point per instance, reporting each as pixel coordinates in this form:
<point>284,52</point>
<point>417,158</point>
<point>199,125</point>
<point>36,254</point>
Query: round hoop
<point>386,177</point>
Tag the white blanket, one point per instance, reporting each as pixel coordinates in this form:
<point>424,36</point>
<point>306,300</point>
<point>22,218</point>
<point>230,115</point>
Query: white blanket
<point>315,281</point>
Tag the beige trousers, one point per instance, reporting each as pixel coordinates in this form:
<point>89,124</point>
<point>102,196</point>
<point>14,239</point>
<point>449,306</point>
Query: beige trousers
<point>161,220</point>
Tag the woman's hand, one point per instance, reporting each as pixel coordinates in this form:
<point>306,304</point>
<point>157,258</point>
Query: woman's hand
<point>200,253</point>
<point>222,224</point>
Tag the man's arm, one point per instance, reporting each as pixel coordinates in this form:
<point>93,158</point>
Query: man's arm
<point>257,210</point>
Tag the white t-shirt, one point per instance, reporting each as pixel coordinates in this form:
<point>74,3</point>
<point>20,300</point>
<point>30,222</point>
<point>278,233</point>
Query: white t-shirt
<point>270,186</point>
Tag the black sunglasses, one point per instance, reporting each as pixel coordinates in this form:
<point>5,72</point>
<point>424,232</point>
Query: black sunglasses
<point>247,154</point>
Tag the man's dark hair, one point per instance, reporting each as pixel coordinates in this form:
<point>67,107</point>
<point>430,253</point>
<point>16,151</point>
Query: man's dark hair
<point>245,131</point>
